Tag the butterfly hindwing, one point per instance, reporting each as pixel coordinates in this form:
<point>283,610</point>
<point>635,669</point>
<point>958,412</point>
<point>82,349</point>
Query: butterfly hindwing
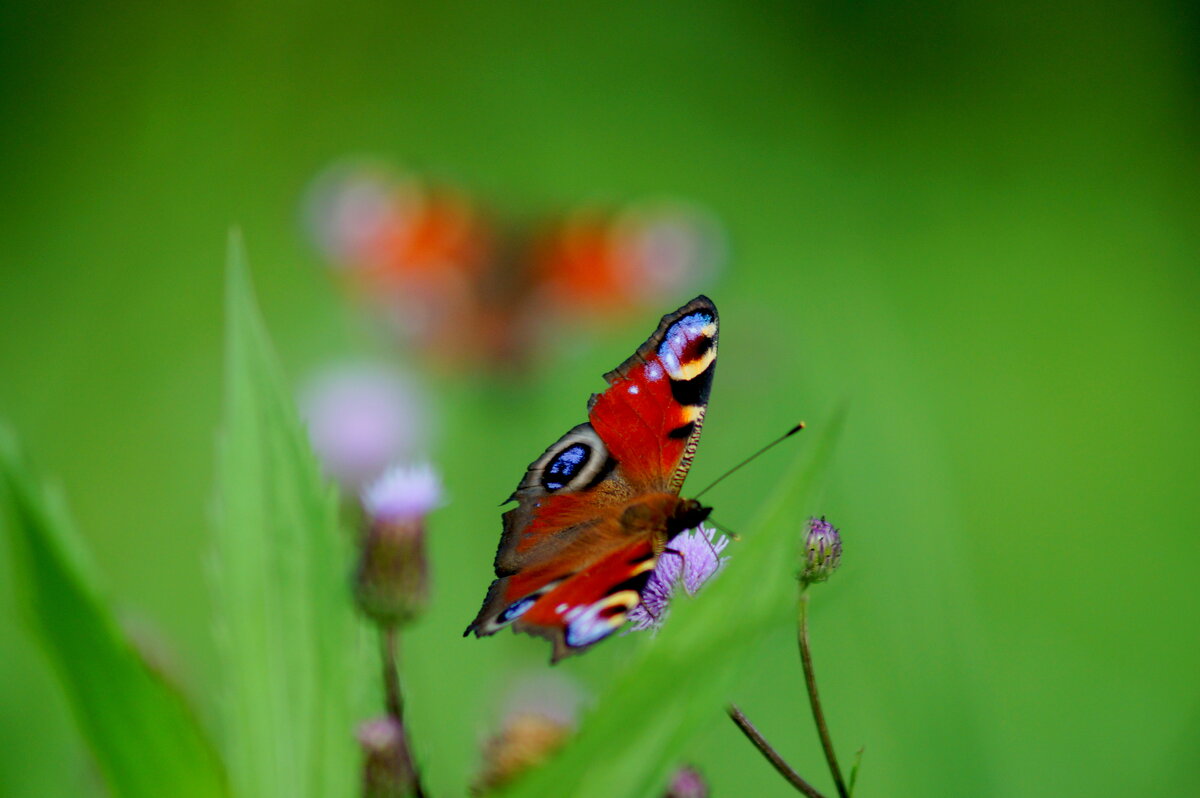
<point>593,511</point>
<point>593,603</point>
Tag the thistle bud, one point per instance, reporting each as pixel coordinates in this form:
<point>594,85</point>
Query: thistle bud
<point>527,740</point>
<point>822,551</point>
<point>387,766</point>
<point>687,783</point>
<point>391,584</point>
<point>540,716</point>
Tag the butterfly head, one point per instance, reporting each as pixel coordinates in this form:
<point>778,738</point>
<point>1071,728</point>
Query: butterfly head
<point>688,515</point>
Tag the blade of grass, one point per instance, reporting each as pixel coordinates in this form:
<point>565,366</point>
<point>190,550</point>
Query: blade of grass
<point>146,739</point>
<point>628,745</point>
<point>291,646</point>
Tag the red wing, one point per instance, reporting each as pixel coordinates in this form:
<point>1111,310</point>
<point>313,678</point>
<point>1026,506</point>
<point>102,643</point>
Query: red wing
<point>650,416</point>
<point>581,609</point>
<point>564,544</point>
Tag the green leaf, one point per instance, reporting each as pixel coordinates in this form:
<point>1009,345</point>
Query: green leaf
<point>289,638</point>
<point>628,745</point>
<point>144,735</point>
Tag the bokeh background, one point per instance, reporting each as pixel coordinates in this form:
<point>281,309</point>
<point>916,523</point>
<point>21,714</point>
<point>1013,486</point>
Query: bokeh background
<point>975,223</point>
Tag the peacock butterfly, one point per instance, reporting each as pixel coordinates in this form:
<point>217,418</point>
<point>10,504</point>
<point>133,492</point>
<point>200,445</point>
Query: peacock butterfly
<point>472,286</point>
<point>595,511</point>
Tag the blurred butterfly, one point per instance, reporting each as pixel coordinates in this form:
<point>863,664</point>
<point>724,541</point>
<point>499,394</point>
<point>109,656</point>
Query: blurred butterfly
<point>471,290</point>
<point>595,511</point>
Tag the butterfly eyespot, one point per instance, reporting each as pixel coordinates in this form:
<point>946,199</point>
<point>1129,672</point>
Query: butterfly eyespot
<point>565,466</point>
<point>687,352</point>
<point>599,620</point>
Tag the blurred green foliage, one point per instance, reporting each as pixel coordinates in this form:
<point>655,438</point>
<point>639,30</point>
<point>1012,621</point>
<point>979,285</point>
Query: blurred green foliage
<point>143,734</point>
<point>977,224</point>
<point>296,669</point>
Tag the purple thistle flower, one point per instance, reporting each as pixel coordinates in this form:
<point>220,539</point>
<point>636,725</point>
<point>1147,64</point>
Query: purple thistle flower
<point>403,493</point>
<point>391,584</point>
<point>691,558</point>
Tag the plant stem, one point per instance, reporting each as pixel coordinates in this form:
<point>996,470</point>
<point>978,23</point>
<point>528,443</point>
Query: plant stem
<point>394,701</point>
<point>810,679</point>
<point>389,639</point>
<point>760,742</point>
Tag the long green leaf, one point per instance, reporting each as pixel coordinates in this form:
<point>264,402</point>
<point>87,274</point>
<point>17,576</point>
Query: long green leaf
<point>287,631</point>
<point>681,682</point>
<point>146,739</point>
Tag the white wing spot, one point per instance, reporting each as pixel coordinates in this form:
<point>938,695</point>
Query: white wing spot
<point>561,608</point>
<point>633,389</point>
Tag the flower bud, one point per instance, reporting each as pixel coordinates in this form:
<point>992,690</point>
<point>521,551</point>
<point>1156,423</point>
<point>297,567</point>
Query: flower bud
<point>540,715</point>
<point>687,783</point>
<point>822,551</point>
<point>527,740</point>
<point>387,767</point>
<point>391,584</point>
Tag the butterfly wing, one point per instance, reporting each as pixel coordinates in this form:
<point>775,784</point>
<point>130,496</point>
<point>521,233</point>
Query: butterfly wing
<point>653,410</point>
<point>569,567</point>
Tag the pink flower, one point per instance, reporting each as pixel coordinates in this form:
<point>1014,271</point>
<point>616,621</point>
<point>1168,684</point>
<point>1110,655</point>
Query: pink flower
<point>403,493</point>
<point>687,783</point>
<point>360,419</point>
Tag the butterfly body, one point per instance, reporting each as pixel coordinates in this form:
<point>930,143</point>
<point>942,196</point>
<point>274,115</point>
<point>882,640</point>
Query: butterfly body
<point>595,511</point>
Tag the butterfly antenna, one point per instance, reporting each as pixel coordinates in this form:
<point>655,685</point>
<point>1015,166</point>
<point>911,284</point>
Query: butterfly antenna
<point>778,440</point>
<point>721,527</point>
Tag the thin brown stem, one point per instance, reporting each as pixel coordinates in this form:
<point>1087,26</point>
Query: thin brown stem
<point>389,638</point>
<point>760,742</point>
<point>810,679</point>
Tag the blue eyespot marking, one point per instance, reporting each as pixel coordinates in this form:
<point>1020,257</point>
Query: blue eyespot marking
<point>565,466</point>
<point>677,337</point>
<point>517,609</point>
<point>587,628</point>
<point>586,625</point>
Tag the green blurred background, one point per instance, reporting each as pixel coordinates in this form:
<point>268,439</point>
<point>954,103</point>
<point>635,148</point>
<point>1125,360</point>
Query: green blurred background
<point>976,224</point>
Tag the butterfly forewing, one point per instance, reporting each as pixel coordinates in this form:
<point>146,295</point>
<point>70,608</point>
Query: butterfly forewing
<point>650,416</point>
